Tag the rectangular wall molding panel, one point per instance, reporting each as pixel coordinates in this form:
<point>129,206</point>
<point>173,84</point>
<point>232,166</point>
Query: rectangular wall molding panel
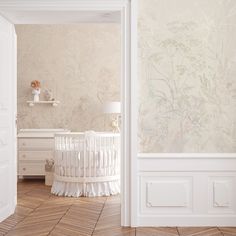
<point>167,193</point>
<point>221,193</point>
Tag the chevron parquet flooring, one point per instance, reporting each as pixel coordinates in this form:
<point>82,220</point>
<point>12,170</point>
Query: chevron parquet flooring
<point>39,213</point>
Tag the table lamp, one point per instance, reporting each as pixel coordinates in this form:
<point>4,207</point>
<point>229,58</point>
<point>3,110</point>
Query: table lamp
<point>113,108</point>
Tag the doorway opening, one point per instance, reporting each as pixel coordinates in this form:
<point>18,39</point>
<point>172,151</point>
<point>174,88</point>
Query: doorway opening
<point>69,127</point>
<point>32,14</point>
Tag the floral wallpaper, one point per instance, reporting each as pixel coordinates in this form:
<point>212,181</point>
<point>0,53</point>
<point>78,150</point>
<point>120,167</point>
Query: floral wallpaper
<point>79,63</point>
<point>187,82</point>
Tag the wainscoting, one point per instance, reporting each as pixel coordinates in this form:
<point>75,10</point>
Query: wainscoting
<point>187,189</point>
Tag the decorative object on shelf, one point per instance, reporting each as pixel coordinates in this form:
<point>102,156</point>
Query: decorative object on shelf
<point>53,103</point>
<point>48,95</point>
<point>49,172</point>
<point>113,108</point>
<point>35,85</point>
<point>49,165</point>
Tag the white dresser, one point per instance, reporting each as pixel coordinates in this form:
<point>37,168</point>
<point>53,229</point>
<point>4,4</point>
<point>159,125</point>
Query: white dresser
<point>34,147</point>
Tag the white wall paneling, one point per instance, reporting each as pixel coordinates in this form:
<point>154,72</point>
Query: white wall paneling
<point>192,190</point>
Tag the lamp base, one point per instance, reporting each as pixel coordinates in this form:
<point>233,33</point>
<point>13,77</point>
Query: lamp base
<point>115,125</point>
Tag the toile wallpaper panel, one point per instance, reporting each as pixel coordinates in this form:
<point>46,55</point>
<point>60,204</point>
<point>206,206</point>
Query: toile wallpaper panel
<point>187,76</point>
<point>79,63</point>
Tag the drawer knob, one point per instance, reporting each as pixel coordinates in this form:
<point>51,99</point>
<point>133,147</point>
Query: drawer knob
<point>24,155</point>
<point>24,168</point>
<point>23,144</point>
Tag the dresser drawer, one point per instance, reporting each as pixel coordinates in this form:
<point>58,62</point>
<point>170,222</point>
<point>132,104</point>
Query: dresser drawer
<point>36,144</point>
<point>34,168</point>
<point>35,155</point>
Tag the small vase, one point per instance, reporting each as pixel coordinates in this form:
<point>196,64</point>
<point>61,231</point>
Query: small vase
<point>36,98</point>
<point>36,93</point>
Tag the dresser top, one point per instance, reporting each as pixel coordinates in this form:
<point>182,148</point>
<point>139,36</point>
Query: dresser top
<point>39,133</point>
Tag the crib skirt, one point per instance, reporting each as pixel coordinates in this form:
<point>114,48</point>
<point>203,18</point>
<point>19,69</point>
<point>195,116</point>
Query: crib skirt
<point>71,189</point>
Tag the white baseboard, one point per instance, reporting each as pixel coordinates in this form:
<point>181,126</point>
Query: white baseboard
<point>186,221</point>
<point>187,190</point>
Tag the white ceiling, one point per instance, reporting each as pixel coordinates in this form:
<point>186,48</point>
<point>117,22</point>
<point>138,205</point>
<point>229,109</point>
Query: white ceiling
<point>60,17</point>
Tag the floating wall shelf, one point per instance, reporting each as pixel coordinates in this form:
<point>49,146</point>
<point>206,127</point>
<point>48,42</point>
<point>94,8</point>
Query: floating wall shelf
<point>53,103</point>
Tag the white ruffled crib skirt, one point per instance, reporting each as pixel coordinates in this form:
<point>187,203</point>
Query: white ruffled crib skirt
<point>90,190</point>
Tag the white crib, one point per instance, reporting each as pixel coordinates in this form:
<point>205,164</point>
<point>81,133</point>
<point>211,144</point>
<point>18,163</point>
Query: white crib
<point>86,164</point>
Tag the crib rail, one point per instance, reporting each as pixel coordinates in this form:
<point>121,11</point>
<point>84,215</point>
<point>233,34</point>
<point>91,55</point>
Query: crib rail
<point>87,157</point>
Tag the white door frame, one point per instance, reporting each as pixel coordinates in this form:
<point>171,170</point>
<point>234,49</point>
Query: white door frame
<point>128,9</point>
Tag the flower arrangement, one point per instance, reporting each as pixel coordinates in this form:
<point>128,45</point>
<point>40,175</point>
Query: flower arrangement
<point>35,85</point>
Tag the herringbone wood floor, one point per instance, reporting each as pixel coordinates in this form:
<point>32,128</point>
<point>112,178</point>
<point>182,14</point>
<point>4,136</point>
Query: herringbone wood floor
<point>39,213</point>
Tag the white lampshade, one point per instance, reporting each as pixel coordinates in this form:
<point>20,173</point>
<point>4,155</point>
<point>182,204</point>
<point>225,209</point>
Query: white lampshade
<point>111,107</point>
